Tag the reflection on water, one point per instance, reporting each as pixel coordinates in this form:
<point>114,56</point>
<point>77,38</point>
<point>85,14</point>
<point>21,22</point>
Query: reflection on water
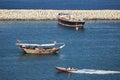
<point>70,28</point>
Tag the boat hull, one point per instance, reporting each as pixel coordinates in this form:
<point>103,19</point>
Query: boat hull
<point>40,48</point>
<point>40,51</point>
<point>72,24</point>
<point>60,69</point>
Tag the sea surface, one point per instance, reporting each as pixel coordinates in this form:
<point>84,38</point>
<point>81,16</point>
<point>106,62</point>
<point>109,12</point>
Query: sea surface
<point>94,51</point>
<point>61,4</point>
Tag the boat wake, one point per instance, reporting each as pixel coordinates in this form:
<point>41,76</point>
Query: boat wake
<point>92,71</point>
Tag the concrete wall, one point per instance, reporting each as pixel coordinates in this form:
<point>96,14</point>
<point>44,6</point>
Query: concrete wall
<point>52,14</point>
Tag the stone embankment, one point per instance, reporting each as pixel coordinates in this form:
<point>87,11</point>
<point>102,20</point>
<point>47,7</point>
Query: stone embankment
<point>52,14</point>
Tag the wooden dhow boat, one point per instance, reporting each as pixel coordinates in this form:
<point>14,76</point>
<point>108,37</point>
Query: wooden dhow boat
<point>40,48</point>
<point>66,20</point>
<point>61,69</point>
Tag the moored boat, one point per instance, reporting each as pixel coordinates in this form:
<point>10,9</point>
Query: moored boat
<point>61,69</point>
<point>40,48</point>
<point>66,20</point>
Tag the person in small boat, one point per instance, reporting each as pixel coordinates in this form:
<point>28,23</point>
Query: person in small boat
<point>69,68</point>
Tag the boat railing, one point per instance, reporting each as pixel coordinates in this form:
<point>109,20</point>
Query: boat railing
<point>60,45</point>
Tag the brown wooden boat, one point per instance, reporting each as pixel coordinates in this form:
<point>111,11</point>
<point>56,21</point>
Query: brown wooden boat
<point>60,69</point>
<point>66,20</point>
<point>40,48</point>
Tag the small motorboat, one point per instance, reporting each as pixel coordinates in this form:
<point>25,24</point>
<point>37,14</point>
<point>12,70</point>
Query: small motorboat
<point>60,69</point>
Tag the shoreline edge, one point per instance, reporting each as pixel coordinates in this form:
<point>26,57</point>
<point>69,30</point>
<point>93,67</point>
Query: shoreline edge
<point>35,15</point>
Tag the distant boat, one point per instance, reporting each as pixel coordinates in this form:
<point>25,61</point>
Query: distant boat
<point>66,20</point>
<point>40,48</point>
<point>60,69</point>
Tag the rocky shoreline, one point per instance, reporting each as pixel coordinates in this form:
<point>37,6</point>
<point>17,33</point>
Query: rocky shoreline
<point>35,15</point>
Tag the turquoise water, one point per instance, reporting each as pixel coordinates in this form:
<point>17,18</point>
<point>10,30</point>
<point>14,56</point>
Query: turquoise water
<point>95,48</point>
<point>61,4</point>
